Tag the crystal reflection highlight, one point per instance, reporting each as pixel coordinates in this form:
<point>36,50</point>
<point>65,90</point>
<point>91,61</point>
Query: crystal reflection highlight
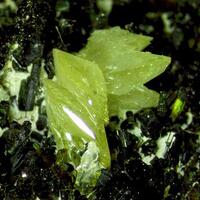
<point>79,122</point>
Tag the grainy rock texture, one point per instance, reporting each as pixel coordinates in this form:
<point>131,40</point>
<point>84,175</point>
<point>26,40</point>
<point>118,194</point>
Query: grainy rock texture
<point>155,152</point>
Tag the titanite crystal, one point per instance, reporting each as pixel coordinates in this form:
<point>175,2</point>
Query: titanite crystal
<point>109,72</point>
<point>125,67</point>
<point>84,79</point>
<point>76,105</point>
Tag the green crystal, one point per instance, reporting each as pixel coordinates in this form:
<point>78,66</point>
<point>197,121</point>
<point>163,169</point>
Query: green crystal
<point>137,99</point>
<point>84,79</point>
<point>126,69</point>
<point>76,105</point>
<point>109,72</point>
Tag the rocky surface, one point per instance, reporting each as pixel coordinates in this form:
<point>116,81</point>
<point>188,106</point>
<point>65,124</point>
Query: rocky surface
<point>155,152</point>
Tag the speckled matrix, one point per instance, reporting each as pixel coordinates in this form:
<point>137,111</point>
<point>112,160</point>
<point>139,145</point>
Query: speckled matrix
<point>31,169</point>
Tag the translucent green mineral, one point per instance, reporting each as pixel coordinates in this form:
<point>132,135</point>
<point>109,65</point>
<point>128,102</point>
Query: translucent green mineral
<point>76,103</point>
<point>125,68</point>
<point>108,74</point>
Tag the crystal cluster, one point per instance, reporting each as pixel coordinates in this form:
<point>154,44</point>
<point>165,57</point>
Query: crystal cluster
<point>103,79</point>
<point>126,69</point>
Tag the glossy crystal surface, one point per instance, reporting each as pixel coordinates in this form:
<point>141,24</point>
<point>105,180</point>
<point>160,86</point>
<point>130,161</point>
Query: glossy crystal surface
<point>136,99</point>
<point>126,69</point>
<point>77,106</point>
<point>109,72</point>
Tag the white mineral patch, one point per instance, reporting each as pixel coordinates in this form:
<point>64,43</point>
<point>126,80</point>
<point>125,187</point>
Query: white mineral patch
<point>189,120</point>
<point>164,143</point>
<point>12,79</point>
<point>168,28</point>
<point>12,82</point>
<point>180,168</point>
<point>21,116</point>
<point>2,130</point>
<point>3,94</point>
<point>138,133</point>
<point>147,159</point>
<point>142,139</point>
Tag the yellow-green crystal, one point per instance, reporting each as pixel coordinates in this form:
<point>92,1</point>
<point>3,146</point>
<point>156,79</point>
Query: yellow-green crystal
<point>76,103</point>
<point>110,71</point>
<point>177,108</point>
<point>125,68</point>
<point>84,79</point>
<point>137,99</point>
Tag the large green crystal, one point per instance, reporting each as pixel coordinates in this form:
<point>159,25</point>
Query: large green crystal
<point>84,79</point>
<point>76,103</point>
<point>125,67</point>
<point>110,71</point>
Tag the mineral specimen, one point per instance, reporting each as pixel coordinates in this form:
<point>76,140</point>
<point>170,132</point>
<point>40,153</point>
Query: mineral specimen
<point>125,67</point>
<point>76,105</point>
<point>111,67</point>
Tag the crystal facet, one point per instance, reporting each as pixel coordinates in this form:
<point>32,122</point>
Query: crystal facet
<point>126,69</point>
